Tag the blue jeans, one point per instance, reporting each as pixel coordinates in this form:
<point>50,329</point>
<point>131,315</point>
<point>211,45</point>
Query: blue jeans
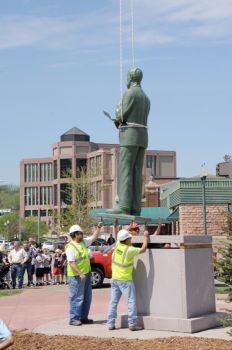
<point>80,297</point>
<point>27,266</point>
<point>127,289</point>
<point>17,271</point>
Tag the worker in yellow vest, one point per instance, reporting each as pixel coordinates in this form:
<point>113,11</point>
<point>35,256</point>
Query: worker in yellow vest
<point>122,280</point>
<point>79,275</point>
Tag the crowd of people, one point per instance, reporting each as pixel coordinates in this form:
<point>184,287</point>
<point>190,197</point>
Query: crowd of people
<point>29,264</point>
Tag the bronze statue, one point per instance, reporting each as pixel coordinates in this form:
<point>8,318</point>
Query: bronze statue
<point>131,120</point>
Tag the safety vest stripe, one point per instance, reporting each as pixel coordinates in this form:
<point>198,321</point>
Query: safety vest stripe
<point>81,257</point>
<point>124,254</point>
<point>121,265</point>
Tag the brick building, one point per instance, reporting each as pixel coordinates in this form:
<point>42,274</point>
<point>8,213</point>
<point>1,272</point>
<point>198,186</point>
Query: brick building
<point>43,182</point>
<point>185,199</point>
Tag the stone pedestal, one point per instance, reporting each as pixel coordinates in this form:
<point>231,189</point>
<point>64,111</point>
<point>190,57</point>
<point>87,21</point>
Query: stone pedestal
<point>175,286</point>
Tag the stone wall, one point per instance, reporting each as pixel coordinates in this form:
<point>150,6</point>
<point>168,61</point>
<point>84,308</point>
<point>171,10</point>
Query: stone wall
<point>191,219</point>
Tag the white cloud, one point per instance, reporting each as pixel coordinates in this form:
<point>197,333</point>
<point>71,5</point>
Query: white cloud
<point>158,22</point>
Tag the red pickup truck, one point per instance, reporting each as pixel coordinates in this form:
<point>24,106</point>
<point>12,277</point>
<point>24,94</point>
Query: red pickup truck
<point>100,267</point>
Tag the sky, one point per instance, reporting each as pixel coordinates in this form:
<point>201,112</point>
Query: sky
<point>60,67</point>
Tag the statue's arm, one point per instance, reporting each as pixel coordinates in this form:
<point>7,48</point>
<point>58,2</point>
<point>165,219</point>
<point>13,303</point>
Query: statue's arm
<point>123,109</point>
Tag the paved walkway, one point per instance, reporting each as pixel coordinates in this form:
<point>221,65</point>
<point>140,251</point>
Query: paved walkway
<point>45,310</point>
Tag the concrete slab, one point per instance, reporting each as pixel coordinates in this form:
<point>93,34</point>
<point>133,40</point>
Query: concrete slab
<point>99,329</point>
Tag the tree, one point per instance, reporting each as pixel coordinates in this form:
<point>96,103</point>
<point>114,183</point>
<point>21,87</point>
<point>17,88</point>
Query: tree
<point>224,268</point>
<point>29,228</point>
<point>9,197</point>
<point>79,196</point>
<point>227,158</point>
<point>9,225</point>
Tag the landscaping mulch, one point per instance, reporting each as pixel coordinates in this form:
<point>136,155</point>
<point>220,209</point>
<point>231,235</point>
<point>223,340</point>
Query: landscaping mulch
<point>28,341</point>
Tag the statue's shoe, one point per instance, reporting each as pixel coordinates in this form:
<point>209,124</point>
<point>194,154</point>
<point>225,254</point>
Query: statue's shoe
<point>116,211</point>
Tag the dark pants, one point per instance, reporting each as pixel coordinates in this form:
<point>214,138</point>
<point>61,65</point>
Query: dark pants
<point>130,179</point>
<point>17,272</point>
<point>27,267</point>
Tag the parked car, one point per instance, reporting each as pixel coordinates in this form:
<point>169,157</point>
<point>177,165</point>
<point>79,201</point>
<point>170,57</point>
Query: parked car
<point>101,266</point>
<point>49,245</point>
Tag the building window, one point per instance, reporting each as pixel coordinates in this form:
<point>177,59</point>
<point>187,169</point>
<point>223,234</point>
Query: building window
<point>34,212</point>
<point>46,195</point>
<point>45,172</point>
<point>151,166</point>
<point>80,166</point>
<point>50,212</point>
<point>65,194</point>
<point>65,167</point>
<point>27,213</point>
<point>43,213</point>
<point>31,172</point>
<point>31,196</point>
<point>98,191</point>
<point>98,165</point>
<point>166,166</point>
<point>55,195</point>
<point>55,172</point>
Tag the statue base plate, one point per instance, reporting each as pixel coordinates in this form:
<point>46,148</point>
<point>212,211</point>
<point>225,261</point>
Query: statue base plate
<point>129,218</point>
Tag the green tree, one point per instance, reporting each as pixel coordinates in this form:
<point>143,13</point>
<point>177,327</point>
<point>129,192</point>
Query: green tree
<point>80,195</point>
<point>9,225</point>
<point>9,197</point>
<point>224,268</point>
<point>29,228</point>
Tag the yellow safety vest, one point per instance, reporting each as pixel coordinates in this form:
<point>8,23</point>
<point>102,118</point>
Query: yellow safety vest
<point>122,267</point>
<point>82,258</point>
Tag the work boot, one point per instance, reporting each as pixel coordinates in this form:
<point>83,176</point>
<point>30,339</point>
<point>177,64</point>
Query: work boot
<point>134,327</point>
<point>75,323</point>
<point>87,321</point>
<point>111,327</point>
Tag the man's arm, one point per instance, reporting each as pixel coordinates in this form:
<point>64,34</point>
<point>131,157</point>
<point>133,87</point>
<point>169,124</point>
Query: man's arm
<point>6,343</point>
<point>157,232</point>
<point>95,235</point>
<point>145,242</point>
<point>76,269</point>
<point>10,257</point>
<point>124,107</point>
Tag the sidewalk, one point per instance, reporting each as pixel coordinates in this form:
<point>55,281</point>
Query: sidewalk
<point>45,310</point>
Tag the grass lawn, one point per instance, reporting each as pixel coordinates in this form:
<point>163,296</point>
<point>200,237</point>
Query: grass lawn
<point>221,290</point>
<point>9,292</point>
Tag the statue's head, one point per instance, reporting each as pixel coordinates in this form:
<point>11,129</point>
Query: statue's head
<point>134,76</point>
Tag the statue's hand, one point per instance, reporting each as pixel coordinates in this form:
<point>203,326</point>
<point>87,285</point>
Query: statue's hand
<point>116,124</point>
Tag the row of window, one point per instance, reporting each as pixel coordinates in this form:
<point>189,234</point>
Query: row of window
<point>43,172</point>
<point>41,212</point>
<point>49,194</point>
<point>37,172</point>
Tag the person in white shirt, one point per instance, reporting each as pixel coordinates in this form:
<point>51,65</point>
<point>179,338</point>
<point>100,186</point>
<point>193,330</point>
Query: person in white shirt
<point>17,257</point>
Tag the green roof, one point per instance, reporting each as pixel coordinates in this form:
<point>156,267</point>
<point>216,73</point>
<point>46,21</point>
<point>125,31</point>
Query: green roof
<point>174,216</point>
<point>150,212</point>
<point>218,190</point>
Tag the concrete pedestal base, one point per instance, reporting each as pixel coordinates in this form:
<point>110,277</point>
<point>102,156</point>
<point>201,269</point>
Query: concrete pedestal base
<point>183,325</point>
<point>175,286</point>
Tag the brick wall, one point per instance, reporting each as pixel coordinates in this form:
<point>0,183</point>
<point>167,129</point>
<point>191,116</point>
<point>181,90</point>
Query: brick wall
<point>191,218</point>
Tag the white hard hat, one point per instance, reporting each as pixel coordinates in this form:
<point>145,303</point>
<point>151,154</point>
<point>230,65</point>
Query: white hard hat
<point>123,235</point>
<point>75,228</point>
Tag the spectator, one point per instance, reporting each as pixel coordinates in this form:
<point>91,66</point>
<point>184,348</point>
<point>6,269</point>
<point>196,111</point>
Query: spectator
<point>27,264</point>
<point>6,338</point>
<point>64,268</point>
<point>17,257</point>
<point>110,240</point>
<point>39,264</point>
<point>47,265</point>
<point>33,250</point>
<point>57,266</point>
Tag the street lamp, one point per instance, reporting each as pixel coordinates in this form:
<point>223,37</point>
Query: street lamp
<point>204,174</point>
